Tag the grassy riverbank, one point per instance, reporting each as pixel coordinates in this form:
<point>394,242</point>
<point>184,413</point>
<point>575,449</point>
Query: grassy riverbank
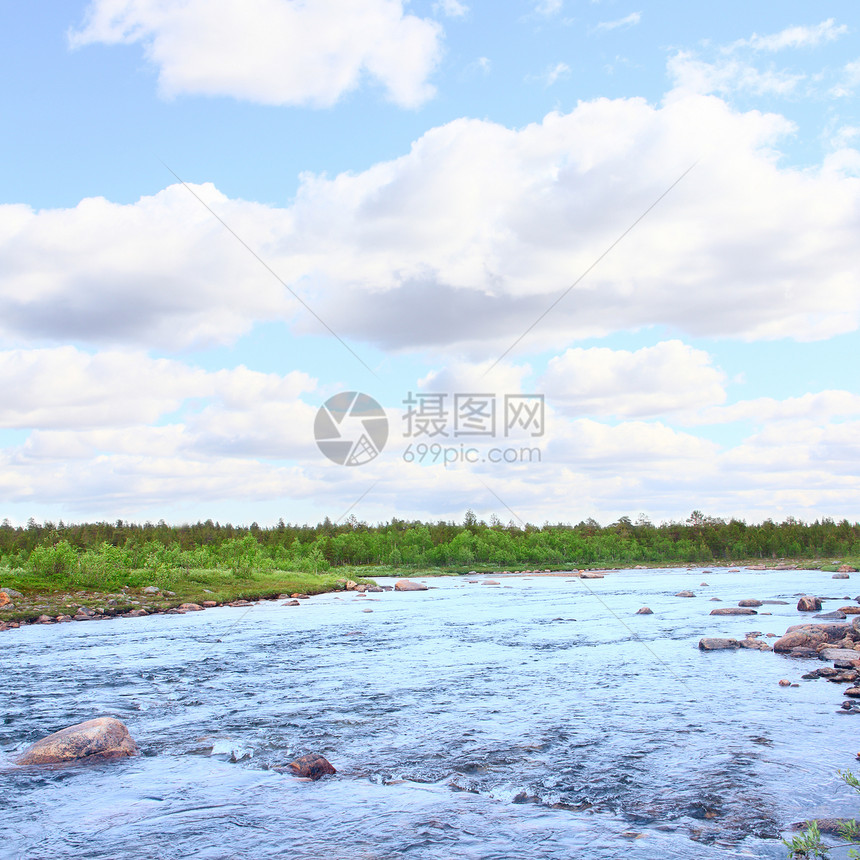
<point>123,591</point>
<point>116,591</point>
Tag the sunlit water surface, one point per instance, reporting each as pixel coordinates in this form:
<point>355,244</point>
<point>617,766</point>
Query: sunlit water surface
<point>539,718</point>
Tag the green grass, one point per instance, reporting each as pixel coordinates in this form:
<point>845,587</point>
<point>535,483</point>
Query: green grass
<point>45,595</point>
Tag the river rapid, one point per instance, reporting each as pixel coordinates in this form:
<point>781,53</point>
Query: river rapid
<point>538,718</point>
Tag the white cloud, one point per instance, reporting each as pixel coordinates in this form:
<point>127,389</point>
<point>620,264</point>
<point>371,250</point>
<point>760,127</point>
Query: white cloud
<point>668,377</point>
<point>630,20</point>
<point>451,8</point>
<point>432,249</point>
<point>728,74</point>
<point>558,72</point>
<point>818,407</point>
<point>161,271</point>
<point>65,388</point>
<point>849,80</point>
<point>548,7</point>
<point>797,37</point>
<point>275,51</point>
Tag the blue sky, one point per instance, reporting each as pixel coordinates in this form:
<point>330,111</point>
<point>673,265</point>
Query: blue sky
<point>429,178</point>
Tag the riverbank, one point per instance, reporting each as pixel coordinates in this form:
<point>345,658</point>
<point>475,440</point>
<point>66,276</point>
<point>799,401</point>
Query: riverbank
<point>36,598</point>
<point>34,601</point>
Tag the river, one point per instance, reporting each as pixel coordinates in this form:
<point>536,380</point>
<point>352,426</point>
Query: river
<point>538,718</point>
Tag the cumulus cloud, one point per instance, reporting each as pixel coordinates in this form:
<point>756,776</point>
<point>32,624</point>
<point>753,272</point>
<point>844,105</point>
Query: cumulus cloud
<point>161,271</point>
<point>275,51</point>
<point>231,439</point>
<point>67,389</point>
<point>467,239</point>
<point>669,377</point>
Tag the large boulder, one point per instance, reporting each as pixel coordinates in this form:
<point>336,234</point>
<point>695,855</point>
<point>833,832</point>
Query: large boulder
<point>99,739</point>
<point>409,585</point>
<point>811,636</point>
<point>311,766</point>
<point>808,603</point>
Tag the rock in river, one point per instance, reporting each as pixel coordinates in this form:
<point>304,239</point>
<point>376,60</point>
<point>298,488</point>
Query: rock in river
<point>811,636</point>
<point>99,739</point>
<point>712,644</point>
<point>685,594</point>
<point>644,611</point>
<point>839,654</point>
<point>749,602</point>
<point>836,615</point>
<point>409,585</point>
<point>733,610</point>
<point>809,603</point>
<point>310,766</point>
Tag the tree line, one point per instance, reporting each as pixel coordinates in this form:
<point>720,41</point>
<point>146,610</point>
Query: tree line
<point>56,548</point>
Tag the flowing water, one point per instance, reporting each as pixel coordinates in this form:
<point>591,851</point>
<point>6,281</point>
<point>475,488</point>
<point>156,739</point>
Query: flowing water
<point>539,718</point>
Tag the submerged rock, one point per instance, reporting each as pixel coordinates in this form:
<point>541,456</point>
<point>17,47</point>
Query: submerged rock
<point>99,739</point>
<point>733,610</point>
<point>831,616</point>
<point>311,766</point>
<point>685,594</point>
<point>714,644</point>
<point>409,585</point>
<point>825,825</point>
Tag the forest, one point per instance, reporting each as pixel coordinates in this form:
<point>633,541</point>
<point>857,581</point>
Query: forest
<point>59,548</point>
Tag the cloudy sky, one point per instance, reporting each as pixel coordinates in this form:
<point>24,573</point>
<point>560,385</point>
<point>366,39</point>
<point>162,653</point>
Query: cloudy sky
<point>217,214</point>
